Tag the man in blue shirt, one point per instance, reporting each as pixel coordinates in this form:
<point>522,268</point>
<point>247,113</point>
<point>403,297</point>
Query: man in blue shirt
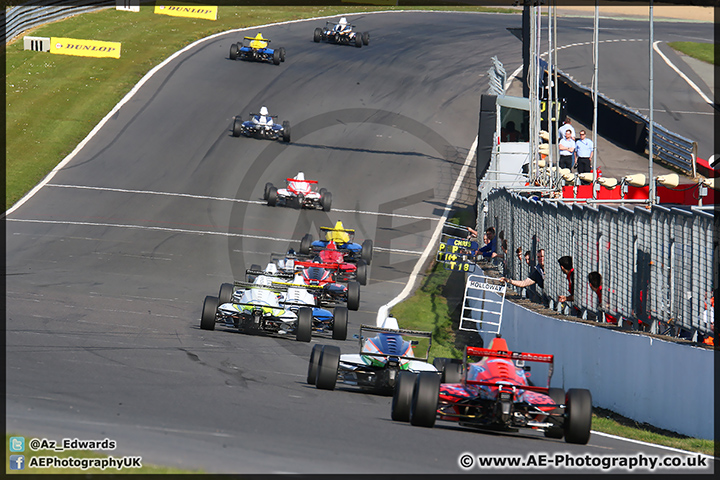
<point>489,248</point>
<point>583,151</point>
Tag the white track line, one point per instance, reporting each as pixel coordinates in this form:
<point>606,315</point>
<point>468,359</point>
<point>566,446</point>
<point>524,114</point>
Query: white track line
<point>384,309</point>
<point>682,75</point>
<point>639,442</point>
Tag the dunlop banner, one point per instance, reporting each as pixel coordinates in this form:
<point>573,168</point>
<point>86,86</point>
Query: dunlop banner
<point>206,12</point>
<point>84,48</point>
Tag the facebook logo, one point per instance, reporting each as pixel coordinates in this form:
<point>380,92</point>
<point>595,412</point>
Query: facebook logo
<point>17,444</point>
<point>17,462</point>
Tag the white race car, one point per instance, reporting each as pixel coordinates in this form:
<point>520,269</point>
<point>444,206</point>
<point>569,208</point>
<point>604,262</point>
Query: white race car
<point>341,32</point>
<point>301,191</point>
<point>383,357</point>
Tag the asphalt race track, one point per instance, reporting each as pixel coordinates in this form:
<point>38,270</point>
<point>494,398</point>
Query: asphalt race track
<point>108,264</point>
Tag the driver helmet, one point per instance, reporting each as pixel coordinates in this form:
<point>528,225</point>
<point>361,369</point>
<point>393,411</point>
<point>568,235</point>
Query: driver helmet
<point>390,322</point>
<point>264,110</point>
<point>343,21</point>
<point>259,36</point>
<point>271,268</point>
<point>300,176</point>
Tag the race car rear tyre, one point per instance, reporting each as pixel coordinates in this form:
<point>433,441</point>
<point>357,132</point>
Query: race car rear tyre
<point>207,320</point>
<point>286,131</point>
<point>353,296</point>
<point>282,54</point>
<point>303,333</point>
<point>366,252</point>
<point>272,196</point>
<point>558,397</point>
<point>326,201</point>
<point>423,406</point>
<point>452,372</point>
<point>328,368</point>
<point>402,397</point>
<point>340,321</point>
<point>317,35</point>
<point>276,57</point>
<point>365,38</point>
<point>234,50</point>
<point>358,41</point>
<point>578,415</point>
<point>268,186</point>
<point>322,190</point>
<point>237,127</point>
<point>313,364</point>
<point>306,244</point>
<point>361,272</point>
<point>226,293</point>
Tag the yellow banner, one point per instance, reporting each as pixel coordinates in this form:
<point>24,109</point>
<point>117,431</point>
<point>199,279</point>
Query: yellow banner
<point>84,48</point>
<point>207,12</point>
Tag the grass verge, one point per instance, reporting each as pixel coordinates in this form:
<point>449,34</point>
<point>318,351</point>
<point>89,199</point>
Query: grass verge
<point>701,51</point>
<point>77,456</point>
<point>435,307</point>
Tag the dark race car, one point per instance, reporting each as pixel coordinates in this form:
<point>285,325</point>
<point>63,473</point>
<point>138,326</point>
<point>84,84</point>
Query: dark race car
<point>342,33</point>
<point>494,393</point>
<point>344,240</point>
<point>385,353</point>
<point>261,125</point>
<point>257,50</point>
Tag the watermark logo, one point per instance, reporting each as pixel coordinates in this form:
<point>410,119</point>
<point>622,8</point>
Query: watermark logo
<point>17,462</point>
<point>17,444</point>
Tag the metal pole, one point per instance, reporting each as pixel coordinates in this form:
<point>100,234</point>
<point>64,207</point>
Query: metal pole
<point>596,59</point>
<point>652,190</point>
<point>549,103</point>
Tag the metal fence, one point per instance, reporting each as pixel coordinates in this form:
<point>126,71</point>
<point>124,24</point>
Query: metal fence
<point>658,266</point>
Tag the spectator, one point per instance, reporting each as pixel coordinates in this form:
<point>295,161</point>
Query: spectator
<point>509,134</point>
<point>519,253</point>
<point>472,234</point>
<point>490,246</point>
<point>708,320</point>
<point>501,258</point>
<point>595,281</point>
<point>566,265</point>
<point>567,151</point>
<point>536,277</point>
<point>584,149</point>
<point>567,125</point>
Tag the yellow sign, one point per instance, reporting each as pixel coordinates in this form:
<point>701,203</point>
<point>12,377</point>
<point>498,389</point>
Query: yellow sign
<point>84,48</point>
<point>206,12</point>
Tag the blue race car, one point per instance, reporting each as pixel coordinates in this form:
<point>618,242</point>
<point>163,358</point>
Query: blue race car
<point>343,239</point>
<point>257,50</point>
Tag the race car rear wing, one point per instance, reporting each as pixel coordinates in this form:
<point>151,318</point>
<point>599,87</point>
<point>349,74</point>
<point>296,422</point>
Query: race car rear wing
<point>258,39</point>
<point>301,181</point>
<point>330,266</point>
<point>517,356</point>
<point>278,274</point>
<point>403,332</point>
<point>333,229</point>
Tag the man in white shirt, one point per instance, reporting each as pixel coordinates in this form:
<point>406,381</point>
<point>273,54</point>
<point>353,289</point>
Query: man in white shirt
<point>567,151</point>
<point>567,125</point>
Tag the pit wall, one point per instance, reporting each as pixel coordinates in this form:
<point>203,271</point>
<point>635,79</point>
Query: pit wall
<point>665,384</point>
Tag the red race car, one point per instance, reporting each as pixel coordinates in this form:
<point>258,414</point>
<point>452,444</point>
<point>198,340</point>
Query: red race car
<point>329,276</point>
<point>494,393</point>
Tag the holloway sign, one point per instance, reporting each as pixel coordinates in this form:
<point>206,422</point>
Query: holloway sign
<point>206,12</point>
<point>84,48</point>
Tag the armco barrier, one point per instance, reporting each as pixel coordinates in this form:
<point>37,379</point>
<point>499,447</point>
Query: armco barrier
<point>659,266</point>
<point>32,14</point>
<point>665,384</point>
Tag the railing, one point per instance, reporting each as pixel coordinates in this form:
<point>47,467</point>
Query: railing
<point>659,266</point>
<point>32,14</point>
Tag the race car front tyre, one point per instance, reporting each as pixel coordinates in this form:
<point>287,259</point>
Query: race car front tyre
<point>326,201</point>
<point>268,186</point>
<point>306,244</point>
<point>282,54</point>
<point>234,50</point>
<point>286,131</point>
<point>313,364</point>
<point>303,333</point>
<point>452,372</point>
<point>578,415</point>
<point>353,296</point>
<point>358,41</point>
<point>340,321</point>
<point>276,57</point>
<point>361,272</point>
<point>207,320</point>
<point>558,396</point>
<point>366,252</point>
<point>365,38</point>
<point>272,196</point>
<point>237,127</point>
<point>423,406</point>
<point>317,35</point>
<point>225,294</point>
<point>328,368</point>
<point>402,397</point>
